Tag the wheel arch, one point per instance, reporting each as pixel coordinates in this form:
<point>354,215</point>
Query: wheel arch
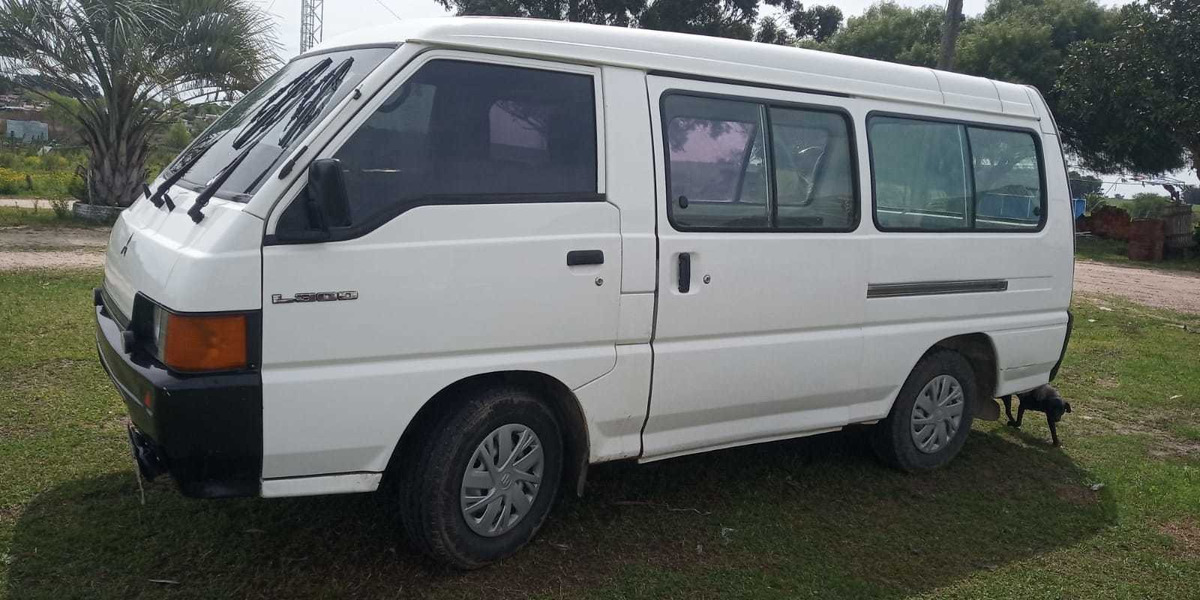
<point>980,351</point>
<point>555,393</point>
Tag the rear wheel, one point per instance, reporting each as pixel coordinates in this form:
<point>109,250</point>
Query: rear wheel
<point>484,478</point>
<point>931,417</point>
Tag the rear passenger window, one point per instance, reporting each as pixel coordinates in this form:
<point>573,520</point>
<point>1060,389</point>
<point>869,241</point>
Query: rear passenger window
<point>467,132</point>
<point>932,175</point>
<point>738,165</point>
<point>717,176</point>
<point>921,179</point>
<point>814,175</point>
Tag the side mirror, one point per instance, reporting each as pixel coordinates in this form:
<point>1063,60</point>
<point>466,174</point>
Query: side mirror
<point>328,204</point>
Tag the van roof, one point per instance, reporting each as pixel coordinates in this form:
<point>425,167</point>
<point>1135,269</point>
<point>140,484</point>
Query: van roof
<point>703,56</point>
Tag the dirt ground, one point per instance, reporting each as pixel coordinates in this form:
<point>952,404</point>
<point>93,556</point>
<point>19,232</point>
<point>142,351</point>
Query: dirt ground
<point>25,238</point>
<point>53,259</point>
<point>68,248</point>
<point>1160,289</point>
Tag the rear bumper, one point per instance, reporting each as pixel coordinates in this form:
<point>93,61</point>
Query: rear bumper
<point>205,430</point>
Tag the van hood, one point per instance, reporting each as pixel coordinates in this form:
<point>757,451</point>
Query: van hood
<point>213,265</point>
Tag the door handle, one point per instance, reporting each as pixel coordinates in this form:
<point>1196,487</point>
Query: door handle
<point>685,273</point>
<point>585,257</point>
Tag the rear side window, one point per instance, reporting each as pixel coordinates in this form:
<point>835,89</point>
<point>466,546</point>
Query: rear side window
<point>938,176</point>
<point>1008,184</point>
<point>462,132</point>
<point>744,165</point>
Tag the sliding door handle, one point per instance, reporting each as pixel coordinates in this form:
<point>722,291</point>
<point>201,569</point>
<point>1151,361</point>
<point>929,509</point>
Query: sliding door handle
<point>585,257</point>
<point>685,273</point>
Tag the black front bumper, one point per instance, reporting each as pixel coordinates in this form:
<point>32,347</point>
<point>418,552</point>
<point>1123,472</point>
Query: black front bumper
<point>205,430</point>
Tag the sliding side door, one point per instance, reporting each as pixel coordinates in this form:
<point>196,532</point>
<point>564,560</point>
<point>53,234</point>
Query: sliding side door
<point>761,285</point>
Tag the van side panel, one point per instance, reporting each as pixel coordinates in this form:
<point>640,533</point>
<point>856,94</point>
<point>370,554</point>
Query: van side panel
<point>1026,321</point>
<point>444,293</point>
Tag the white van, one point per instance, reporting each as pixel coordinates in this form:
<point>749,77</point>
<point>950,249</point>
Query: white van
<point>478,255</point>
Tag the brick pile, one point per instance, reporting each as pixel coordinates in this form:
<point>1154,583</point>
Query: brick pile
<point>1146,238</point>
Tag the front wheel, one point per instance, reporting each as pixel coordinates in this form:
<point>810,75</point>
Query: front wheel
<point>932,415</point>
<point>484,479</point>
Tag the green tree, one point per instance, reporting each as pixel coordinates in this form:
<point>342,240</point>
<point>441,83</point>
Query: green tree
<point>131,66</point>
<point>1082,185</point>
<point>1133,103</point>
<point>1010,49</point>
<point>888,31</point>
<point>1026,41</point>
<point>177,137</point>
<point>600,12</point>
<point>770,31</point>
<point>717,18</point>
<point>816,23</point>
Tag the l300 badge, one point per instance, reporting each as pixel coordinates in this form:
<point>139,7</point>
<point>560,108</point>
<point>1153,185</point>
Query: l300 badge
<point>314,297</point>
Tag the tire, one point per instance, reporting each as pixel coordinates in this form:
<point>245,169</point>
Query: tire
<point>434,490</point>
<point>926,442</point>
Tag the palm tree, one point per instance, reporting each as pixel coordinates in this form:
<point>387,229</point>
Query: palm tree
<point>128,67</point>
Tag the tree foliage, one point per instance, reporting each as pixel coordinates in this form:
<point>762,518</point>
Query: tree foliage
<point>1082,185</point>
<point>599,12</point>
<point>888,31</point>
<point>129,66</point>
<point>1133,103</point>
<point>817,23</point>
<point>739,19</point>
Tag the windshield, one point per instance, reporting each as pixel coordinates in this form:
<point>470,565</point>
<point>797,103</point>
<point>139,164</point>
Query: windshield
<point>267,121</point>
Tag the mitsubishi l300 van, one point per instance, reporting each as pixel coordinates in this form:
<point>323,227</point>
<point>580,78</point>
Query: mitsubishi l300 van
<point>475,256</point>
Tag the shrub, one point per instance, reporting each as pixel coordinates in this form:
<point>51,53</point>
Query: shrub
<point>1148,206</point>
<point>61,208</point>
<point>77,189</point>
<point>1093,202</point>
<point>11,182</point>
<point>53,162</point>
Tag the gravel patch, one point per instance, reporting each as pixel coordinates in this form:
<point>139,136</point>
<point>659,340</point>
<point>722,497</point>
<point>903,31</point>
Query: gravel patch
<point>54,259</point>
<point>1160,289</point>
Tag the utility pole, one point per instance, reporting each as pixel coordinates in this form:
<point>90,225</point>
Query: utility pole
<point>312,18</point>
<point>950,34</point>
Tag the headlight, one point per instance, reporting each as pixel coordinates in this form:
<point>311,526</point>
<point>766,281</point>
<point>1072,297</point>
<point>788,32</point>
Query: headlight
<point>196,343</point>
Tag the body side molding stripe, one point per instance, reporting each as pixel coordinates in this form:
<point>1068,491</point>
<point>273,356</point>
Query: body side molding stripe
<point>935,288</point>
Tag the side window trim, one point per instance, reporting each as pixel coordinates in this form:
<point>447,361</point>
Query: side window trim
<point>395,80</point>
<point>965,125</point>
<point>764,106</point>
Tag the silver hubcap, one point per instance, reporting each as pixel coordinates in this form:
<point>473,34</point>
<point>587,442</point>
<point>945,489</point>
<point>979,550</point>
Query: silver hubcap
<point>937,414</point>
<point>502,480</point>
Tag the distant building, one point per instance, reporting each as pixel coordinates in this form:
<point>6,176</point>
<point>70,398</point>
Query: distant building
<point>27,131</point>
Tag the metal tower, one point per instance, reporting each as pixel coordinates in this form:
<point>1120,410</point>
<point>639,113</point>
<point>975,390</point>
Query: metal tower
<point>312,17</point>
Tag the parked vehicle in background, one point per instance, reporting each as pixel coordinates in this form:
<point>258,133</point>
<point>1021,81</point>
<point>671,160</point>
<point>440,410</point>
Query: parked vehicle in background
<point>478,255</point>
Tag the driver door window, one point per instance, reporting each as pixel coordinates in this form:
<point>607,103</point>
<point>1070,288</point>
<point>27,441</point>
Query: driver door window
<point>463,132</point>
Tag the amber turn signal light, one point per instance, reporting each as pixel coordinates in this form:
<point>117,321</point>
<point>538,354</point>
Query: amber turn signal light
<point>205,343</point>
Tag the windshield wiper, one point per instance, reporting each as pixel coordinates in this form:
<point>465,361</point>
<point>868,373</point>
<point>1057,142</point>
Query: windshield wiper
<point>296,95</point>
<point>278,104</point>
<point>314,102</point>
<point>196,152</point>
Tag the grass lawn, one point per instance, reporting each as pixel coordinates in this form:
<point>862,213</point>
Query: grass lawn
<point>1114,251</point>
<point>1115,513</point>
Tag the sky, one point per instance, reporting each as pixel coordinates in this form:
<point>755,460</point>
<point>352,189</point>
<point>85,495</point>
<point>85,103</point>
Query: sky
<point>342,16</point>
